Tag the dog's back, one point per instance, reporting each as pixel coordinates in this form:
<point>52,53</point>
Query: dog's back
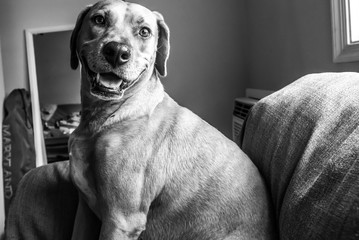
<point>206,187</point>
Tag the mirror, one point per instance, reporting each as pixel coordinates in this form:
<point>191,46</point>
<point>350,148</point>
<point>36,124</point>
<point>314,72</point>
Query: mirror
<point>345,28</point>
<point>55,91</point>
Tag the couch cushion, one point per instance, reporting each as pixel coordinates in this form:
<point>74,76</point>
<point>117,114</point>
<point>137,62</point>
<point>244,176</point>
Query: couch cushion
<point>305,141</point>
<point>44,205</point>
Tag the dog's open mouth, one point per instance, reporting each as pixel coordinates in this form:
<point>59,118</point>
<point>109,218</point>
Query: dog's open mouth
<point>108,86</point>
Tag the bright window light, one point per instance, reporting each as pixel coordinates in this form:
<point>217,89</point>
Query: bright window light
<point>353,9</point>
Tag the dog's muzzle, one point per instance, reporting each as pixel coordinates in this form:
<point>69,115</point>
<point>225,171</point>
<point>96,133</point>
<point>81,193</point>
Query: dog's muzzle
<point>108,86</point>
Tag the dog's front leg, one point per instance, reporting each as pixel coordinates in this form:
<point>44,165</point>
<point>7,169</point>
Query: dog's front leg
<point>111,231</point>
<point>123,206</point>
<point>88,227</point>
<point>123,227</point>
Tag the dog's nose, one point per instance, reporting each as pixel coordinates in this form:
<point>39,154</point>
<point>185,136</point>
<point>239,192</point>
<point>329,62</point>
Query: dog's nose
<point>116,53</point>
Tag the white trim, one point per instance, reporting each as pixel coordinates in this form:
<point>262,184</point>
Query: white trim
<point>2,201</point>
<point>343,49</point>
<point>39,141</point>
<point>51,29</point>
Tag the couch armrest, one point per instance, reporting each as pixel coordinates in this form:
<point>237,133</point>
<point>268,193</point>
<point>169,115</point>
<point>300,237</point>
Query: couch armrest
<point>304,139</point>
<point>44,205</point>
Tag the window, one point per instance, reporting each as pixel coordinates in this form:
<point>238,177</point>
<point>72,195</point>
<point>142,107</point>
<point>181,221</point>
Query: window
<point>353,17</point>
<point>345,26</point>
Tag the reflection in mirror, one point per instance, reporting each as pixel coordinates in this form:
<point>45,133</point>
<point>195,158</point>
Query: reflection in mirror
<point>57,82</point>
<point>55,91</point>
<point>345,27</point>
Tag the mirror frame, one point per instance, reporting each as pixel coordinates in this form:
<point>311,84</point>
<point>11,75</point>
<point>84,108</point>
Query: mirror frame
<point>343,49</point>
<point>39,142</point>
<point>2,197</point>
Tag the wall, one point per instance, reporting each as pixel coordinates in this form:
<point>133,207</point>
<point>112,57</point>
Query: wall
<point>288,39</point>
<point>206,62</point>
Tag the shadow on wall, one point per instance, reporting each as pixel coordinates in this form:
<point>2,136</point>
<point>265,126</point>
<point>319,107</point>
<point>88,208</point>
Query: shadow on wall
<point>288,39</point>
<point>205,69</point>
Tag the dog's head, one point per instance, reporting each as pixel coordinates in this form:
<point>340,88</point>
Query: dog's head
<point>118,44</point>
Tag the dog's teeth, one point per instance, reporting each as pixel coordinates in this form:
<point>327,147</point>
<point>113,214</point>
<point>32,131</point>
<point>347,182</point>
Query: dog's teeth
<point>123,85</point>
<point>97,77</point>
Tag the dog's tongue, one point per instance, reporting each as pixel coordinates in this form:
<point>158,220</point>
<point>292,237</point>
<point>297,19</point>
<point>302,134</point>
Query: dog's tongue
<point>109,80</point>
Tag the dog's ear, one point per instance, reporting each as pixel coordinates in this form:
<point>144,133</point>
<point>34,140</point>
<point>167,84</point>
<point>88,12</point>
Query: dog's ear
<point>163,45</point>
<point>74,35</point>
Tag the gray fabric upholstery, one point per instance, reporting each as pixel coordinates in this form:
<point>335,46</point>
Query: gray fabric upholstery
<point>44,206</point>
<point>305,141</point>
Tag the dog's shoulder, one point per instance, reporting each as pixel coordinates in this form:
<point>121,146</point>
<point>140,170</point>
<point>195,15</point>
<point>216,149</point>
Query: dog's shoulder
<point>176,117</point>
<point>181,124</point>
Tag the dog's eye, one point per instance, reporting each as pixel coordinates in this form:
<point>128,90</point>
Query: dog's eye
<point>145,32</point>
<point>99,19</point>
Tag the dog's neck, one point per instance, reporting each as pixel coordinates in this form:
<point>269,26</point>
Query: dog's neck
<point>138,101</point>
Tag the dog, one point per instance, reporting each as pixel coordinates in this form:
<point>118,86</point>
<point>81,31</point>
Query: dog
<point>145,166</point>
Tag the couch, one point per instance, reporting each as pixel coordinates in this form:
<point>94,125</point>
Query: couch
<point>304,139</point>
